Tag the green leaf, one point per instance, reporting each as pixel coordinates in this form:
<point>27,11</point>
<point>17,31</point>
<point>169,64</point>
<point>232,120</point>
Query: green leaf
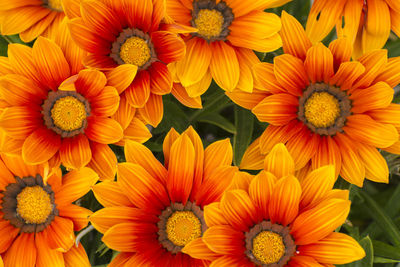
<point>219,121</point>
<point>384,260</point>
<point>3,46</point>
<point>174,117</point>
<point>382,219</point>
<point>368,260</point>
<point>386,251</point>
<point>244,131</point>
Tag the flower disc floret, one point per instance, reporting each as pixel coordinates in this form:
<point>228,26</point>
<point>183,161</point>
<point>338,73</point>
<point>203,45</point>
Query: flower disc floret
<point>182,227</point>
<point>34,204</point>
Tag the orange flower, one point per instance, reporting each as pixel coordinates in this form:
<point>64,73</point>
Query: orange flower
<point>326,108</point>
<point>126,39</point>
<point>221,48</point>
<point>366,23</point>
<point>38,221</point>
<point>53,113</point>
<point>153,211</point>
<point>32,18</point>
<point>277,220</point>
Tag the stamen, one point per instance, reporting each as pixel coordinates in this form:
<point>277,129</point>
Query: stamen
<point>324,108</point>
<point>211,19</point>
<point>65,112</point>
<point>34,205</point>
<point>135,51</point>
<point>179,225</point>
<point>268,247</point>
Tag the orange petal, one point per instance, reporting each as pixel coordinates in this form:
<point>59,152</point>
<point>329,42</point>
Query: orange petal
<point>323,16</point>
<point>76,256</point>
<point>213,215</point>
<point>252,158</point>
<point>50,62</point>
<point>259,44</point>
<point>295,41</point>
<point>222,239</point>
<point>76,184</point>
<point>260,191</point>
<point>278,109</point>
<point>200,87</point>
<point>139,154</point>
<point>104,161</point>
<point>38,28</point>
<point>192,68</point>
<point>9,233</point>
<point>374,63</point>
<point>377,26</point>
<point>290,73</point>
<point>136,131</point>
<point>60,234</point>
<point>390,75</point>
<point>182,96</point>
<point>40,146</point>
<point>347,73</point>
<point>106,103</point>
<point>376,168</point>
<point>25,243</point>
<point>109,194</point>
<point>141,188</point>
<point>341,50</point>
<point>217,154</point>
<point>75,152</point>
<point>125,112</point>
<point>285,199</point>
<point>319,63</point>
<point>224,66</point>
<point>121,259</point>
<point>20,58</point>
<point>336,248</point>
<point>169,47</point>
<point>388,115</point>
<point>302,147</point>
<point>106,218</point>
<point>247,59</point>
<point>18,90</point>
<point>247,100</point>
<point>153,110</point>
<point>198,249</point>
<point>161,79</point>
<point>181,169</point>
<point>238,209</point>
<point>78,215</point>
<point>19,121</point>
<point>264,77</point>
<point>142,11</point>
<point>328,153</point>
<point>379,95</point>
<point>121,77</point>
<point>46,255</point>
<point>215,184</point>
<point>364,129</point>
<point>103,130</point>
<point>316,184</point>
<point>312,225</point>
<point>19,19</point>
<point>279,162</point>
<point>90,83</point>
<point>138,92</point>
<point>304,261</point>
<point>352,167</point>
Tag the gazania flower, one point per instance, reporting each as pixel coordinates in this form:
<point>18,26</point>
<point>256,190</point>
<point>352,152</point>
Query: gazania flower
<point>153,211</point>
<point>221,48</point>
<point>326,108</point>
<point>367,23</point>
<point>32,18</point>
<point>278,220</point>
<point>53,113</point>
<point>127,40</point>
<point>38,221</point>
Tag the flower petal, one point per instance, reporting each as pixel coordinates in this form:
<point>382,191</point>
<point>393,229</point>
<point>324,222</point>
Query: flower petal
<point>20,121</point>
<point>110,194</point>
<point>379,95</point>
<point>312,225</point>
<point>260,191</point>
<point>138,92</point>
<point>222,239</point>
<point>103,130</point>
<point>290,73</point>
<point>161,79</point>
<point>90,83</point>
<point>40,146</point>
<point>279,162</point>
<point>182,96</point>
<point>75,152</point>
<point>153,111</point>
<point>104,161</point>
<point>121,77</point>
<point>277,109</point>
<point>319,63</point>
<point>24,243</point>
<point>169,46</point>
<point>78,215</point>
<point>376,167</point>
<point>252,158</point>
<point>76,256</point>
<point>217,154</point>
<point>347,73</point>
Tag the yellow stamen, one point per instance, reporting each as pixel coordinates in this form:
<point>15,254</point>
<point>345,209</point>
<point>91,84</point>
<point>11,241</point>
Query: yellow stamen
<point>68,113</point>
<point>34,204</point>
<point>55,4</point>
<point>182,227</point>
<point>321,109</point>
<point>209,23</point>
<point>268,247</point>
<point>135,51</point>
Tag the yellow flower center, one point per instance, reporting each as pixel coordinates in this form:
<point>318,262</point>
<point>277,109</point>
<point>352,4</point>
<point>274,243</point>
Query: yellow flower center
<point>182,227</point>
<point>34,204</point>
<point>68,113</point>
<point>268,247</point>
<point>55,4</point>
<point>209,23</point>
<point>135,51</point>
<point>322,109</point>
